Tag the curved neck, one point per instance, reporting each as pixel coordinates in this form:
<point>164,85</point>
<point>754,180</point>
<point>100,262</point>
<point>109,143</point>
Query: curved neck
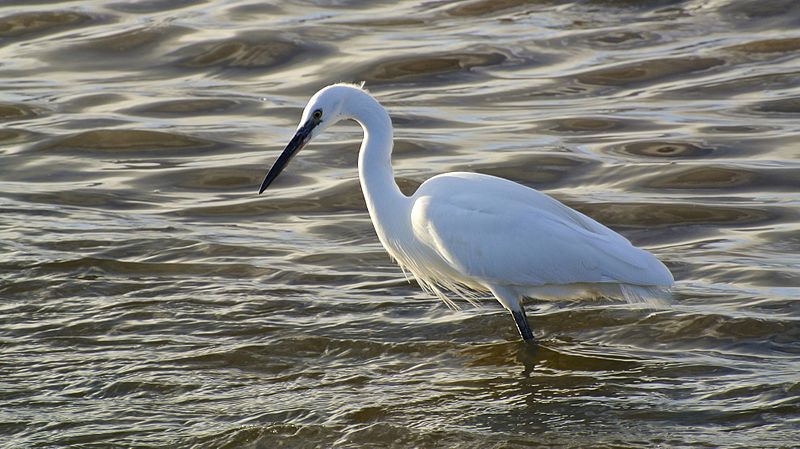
<point>375,163</point>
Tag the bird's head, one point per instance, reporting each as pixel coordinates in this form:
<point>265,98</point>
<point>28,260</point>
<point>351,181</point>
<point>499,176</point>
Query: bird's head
<point>326,108</point>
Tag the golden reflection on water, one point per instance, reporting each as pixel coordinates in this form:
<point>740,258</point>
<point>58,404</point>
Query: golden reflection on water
<point>152,299</point>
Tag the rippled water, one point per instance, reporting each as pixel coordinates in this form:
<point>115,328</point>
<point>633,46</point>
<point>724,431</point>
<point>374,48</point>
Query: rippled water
<point>149,297</point>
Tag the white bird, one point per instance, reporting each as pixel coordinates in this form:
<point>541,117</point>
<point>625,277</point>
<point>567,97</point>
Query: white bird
<point>470,233</point>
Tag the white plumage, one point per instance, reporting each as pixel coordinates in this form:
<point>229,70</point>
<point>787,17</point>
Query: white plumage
<point>468,232</point>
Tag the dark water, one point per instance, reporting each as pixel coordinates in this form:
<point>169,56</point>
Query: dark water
<point>149,298</point>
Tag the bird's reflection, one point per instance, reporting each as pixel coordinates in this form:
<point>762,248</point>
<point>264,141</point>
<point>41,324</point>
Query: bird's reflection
<point>529,354</point>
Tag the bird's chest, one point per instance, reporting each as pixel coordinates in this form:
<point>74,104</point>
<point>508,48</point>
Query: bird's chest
<point>429,266</point>
<point>403,243</point>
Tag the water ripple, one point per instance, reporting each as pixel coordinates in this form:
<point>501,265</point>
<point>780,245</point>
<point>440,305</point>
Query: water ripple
<point>151,299</point>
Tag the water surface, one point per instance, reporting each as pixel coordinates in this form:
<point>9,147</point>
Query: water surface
<point>149,298</point>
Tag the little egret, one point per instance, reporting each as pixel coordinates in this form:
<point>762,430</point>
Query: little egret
<point>469,233</point>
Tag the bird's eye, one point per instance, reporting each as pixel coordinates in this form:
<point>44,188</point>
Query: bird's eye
<point>317,114</point>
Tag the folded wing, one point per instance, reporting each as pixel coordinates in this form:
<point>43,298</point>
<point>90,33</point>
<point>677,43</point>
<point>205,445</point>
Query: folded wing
<point>507,234</point>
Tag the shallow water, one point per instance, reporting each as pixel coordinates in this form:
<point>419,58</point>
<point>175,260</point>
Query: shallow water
<point>149,297</point>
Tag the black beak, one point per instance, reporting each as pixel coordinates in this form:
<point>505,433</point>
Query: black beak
<point>299,140</point>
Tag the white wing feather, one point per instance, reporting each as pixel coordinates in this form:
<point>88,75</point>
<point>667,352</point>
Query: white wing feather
<point>507,234</point>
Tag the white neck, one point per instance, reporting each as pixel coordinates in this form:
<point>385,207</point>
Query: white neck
<point>385,201</point>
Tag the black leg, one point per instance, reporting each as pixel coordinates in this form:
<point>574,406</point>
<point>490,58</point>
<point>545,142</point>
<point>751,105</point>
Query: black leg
<point>522,323</point>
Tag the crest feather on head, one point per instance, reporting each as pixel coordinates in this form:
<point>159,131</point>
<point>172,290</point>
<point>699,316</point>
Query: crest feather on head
<point>358,84</point>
